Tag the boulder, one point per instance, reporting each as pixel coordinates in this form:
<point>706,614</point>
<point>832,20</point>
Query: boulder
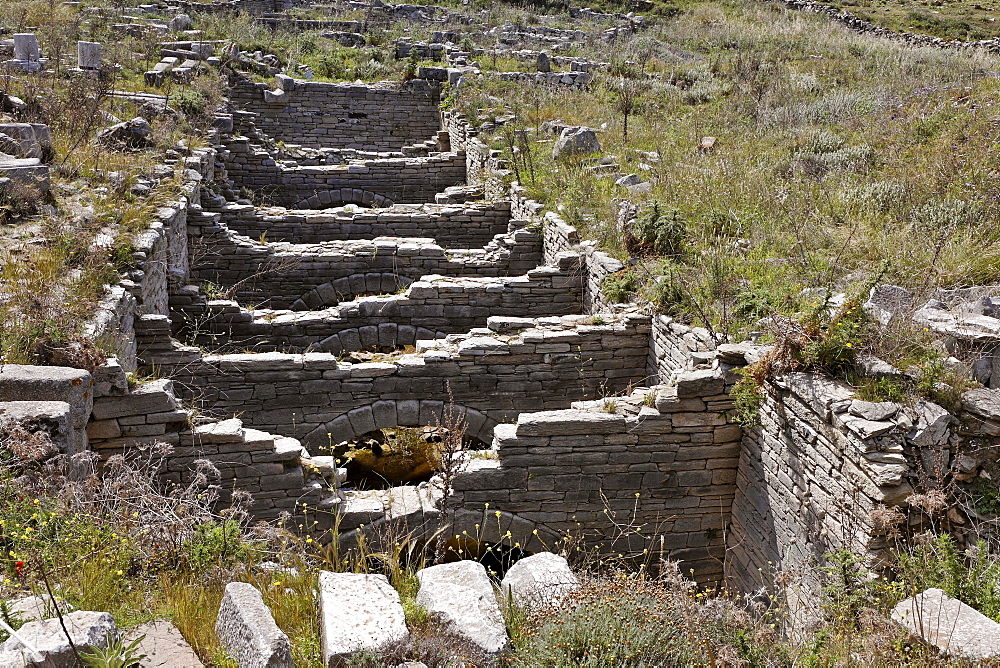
<point>575,141</point>
<point>248,632</point>
<point>539,581</point>
<point>180,22</point>
<point>460,595</point>
<point>358,612</point>
<point>542,63</point>
<point>88,631</point>
<point>950,625</point>
<point>130,134</point>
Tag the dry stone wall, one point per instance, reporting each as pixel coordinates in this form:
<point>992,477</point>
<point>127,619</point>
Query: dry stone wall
<point>471,225</point>
<point>362,116</point>
<point>810,480</point>
<point>400,180</point>
<point>320,399</point>
<point>633,479</point>
<point>431,306</point>
<point>281,274</point>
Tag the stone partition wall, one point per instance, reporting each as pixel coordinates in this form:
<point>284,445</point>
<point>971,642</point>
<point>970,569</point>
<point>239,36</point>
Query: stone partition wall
<point>318,398</point>
<point>809,480</point>
<point>471,225</point>
<point>374,117</point>
<point>676,347</point>
<point>279,275</point>
<point>645,481</point>
<point>400,180</point>
<point>430,307</point>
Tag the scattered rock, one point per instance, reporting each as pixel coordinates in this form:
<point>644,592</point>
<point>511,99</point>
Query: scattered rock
<point>932,427</point>
<point>628,180</point>
<point>247,629</point>
<point>88,631</point>
<point>886,302</point>
<point>358,612</point>
<point>164,646</point>
<point>539,581</point>
<point>130,134</point>
<point>460,595</point>
<point>950,625</point>
<point>575,141</point>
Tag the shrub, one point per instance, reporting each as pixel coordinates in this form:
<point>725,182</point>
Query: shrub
<point>657,230</point>
<point>620,286</point>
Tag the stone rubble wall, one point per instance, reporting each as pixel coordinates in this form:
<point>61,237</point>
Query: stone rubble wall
<point>810,477</point>
<point>269,468</point>
<point>400,180</point>
<point>432,306</point>
<point>675,347</point>
<point>351,115</point>
<point>484,168</point>
<point>280,274</point>
<point>470,225</point>
<point>663,464</point>
<point>316,397</point>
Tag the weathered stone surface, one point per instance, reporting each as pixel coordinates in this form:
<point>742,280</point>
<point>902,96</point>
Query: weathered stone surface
<point>248,632</point>
<point>932,427</point>
<point>461,596</point>
<point>88,55</point>
<point>577,141</point>
<point>52,417</point>
<point>164,646</point>
<point>875,412</point>
<point>49,383</point>
<point>539,581</point>
<point>128,134</point>
<point>949,624</point>
<point>88,630</point>
<point>358,612</point>
<point>35,608</point>
<point>701,383</point>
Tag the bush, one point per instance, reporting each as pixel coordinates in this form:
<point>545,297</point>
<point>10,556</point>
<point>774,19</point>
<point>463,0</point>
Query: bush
<point>609,623</point>
<point>658,231</point>
<point>620,286</point>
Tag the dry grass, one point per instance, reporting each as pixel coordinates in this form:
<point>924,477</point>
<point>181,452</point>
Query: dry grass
<point>836,153</point>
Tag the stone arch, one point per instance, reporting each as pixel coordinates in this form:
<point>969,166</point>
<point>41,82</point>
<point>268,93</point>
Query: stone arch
<point>386,335</point>
<point>325,199</point>
<point>348,287</point>
<point>398,413</point>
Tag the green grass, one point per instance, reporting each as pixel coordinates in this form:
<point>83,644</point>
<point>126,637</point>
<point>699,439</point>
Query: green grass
<point>836,153</point>
<point>951,19</point>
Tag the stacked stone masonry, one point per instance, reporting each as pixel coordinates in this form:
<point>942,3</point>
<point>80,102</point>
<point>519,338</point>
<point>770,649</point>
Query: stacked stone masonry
<point>471,225</point>
<point>360,116</point>
<point>430,307</point>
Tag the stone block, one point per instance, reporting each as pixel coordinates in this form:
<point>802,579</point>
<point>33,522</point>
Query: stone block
<point>163,645</point>
<point>156,396</point>
<point>87,630</point>
<point>460,595</point>
<point>950,625</point>
<point>539,581</point>
<point>358,612</point>
<point>49,383</point>
<point>700,383</point>
<point>247,630</point>
<point>53,417</point>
